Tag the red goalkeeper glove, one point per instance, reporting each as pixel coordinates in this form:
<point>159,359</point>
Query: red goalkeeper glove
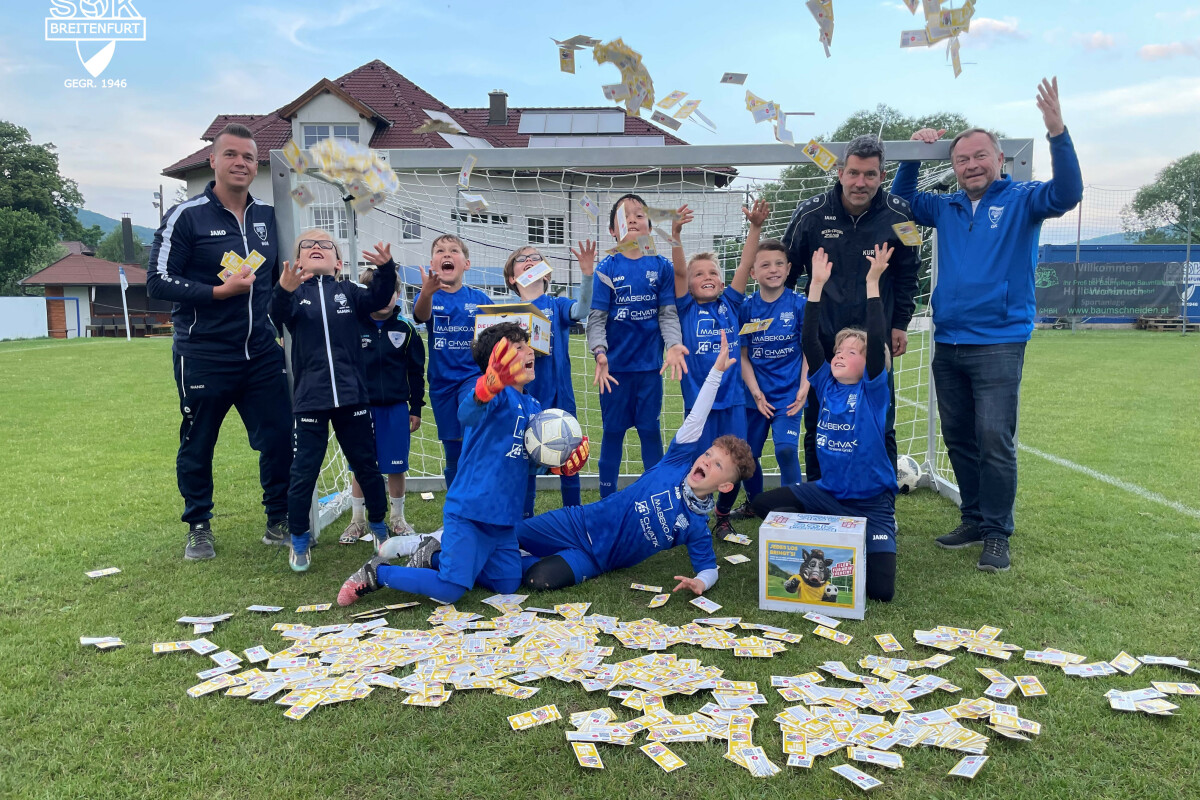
<point>575,461</point>
<point>503,369</point>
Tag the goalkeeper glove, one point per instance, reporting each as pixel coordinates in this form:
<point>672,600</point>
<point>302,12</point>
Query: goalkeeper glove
<point>503,369</point>
<point>575,461</point>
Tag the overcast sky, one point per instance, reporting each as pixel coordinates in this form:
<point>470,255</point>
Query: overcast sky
<point>1129,75</point>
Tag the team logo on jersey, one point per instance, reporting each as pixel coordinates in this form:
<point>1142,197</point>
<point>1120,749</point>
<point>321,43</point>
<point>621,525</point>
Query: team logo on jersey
<point>439,344</point>
<point>261,229</point>
<point>681,522</point>
<point>831,233</point>
<point>787,317</point>
<point>397,338</point>
<point>340,299</point>
<point>641,506</point>
<point>994,214</point>
<point>652,277</point>
<point>852,400</point>
<point>622,313</point>
<point>821,439</point>
<point>470,308</point>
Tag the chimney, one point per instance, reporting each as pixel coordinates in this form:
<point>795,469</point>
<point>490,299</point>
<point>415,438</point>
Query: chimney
<point>497,108</point>
<point>127,240</point>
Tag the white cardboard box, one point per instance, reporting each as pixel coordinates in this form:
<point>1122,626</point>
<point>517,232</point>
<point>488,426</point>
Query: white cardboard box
<point>527,315</point>
<point>812,562</point>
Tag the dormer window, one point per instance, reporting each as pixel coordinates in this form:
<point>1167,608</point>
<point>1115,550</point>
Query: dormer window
<point>315,133</point>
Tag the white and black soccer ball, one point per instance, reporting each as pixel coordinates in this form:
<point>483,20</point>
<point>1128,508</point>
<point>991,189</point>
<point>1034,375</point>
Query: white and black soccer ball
<point>551,437</point>
<point>830,594</point>
<point>908,474</point>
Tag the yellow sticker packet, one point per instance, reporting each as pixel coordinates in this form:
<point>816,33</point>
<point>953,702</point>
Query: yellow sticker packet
<point>909,235</point>
<point>531,719</point>
<point>662,755</point>
<point>587,755</point>
<point>889,643</point>
<point>832,635</point>
<point>820,155</point>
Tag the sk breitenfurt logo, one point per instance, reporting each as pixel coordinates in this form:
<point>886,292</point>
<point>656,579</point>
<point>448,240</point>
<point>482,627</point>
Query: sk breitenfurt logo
<point>95,26</point>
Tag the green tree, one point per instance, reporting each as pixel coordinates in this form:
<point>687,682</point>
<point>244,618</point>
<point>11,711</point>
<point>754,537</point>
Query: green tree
<point>111,248</point>
<point>27,244</point>
<point>1160,211</point>
<point>92,236</point>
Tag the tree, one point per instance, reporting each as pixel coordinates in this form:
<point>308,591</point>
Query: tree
<point>112,248</point>
<point>1159,212</point>
<point>91,236</point>
<point>27,244</point>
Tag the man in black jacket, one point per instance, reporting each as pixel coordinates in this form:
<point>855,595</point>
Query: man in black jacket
<point>225,354</point>
<point>849,221</point>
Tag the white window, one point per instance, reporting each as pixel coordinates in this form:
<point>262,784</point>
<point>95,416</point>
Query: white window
<point>410,223</point>
<point>315,133</point>
<point>547,230</point>
<point>484,218</point>
<point>332,219</point>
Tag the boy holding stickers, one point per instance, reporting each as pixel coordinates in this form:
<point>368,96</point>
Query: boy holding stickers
<point>447,309</point>
<point>527,273</point>
<point>633,316</point>
<point>851,391</point>
<point>708,315</point>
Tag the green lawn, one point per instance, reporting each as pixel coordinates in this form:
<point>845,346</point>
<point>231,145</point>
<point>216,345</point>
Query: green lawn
<point>89,431</point>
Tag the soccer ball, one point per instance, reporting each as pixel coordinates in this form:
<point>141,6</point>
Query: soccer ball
<point>830,595</point>
<point>908,473</point>
<point>552,436</point>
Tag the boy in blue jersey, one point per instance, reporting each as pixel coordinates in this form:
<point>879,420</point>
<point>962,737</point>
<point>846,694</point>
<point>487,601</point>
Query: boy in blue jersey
<point>774,370</point>
<point>483,508</point>
<point>633,316</point>
<point>858,478</point>
<point>666,507</point>
<point>321,314</point>
<point>394,358</point>
<point>708,315</point>
<point>553,387</point>
<point>447,309</point>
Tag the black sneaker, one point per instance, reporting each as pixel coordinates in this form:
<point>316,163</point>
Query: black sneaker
<point>277,534</point>
<point>994,557</point>
<point>363,581</point>
<point>963,536</point>
<point>199,543</point>
<point>423,557</point>
<point>742,512</point>
<point>724,526</point>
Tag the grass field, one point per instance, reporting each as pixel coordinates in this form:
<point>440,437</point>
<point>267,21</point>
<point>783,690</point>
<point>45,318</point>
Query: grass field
<point>90,429</point>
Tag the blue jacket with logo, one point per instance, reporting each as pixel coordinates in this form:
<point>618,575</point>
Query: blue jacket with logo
<point>987,257</point>
<point>185,260</point>
<point>324,318</point>
<point>394,355</point>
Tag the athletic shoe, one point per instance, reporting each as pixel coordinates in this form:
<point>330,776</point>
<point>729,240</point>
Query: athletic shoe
<point>399,547</point>
<point>742,512</point>
<point>276,534</point>
<point>964,535</point>
<point>354,531</point>
<point>400,527</point>
<point>361,582</point>
<point>298,553</point>
<point>199,543</point>
<point>379,532</point>
<point>994,557</point>
<point>723,527</point>
<point>423,557</point>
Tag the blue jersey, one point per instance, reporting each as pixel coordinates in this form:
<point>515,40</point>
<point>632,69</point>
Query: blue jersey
<point>631,291</point>
<point>552,386</point>
<point>650,515</point>
<point>493,471</point>
<point>851,426</point>
<point>702,324</point>
<point>451,327</point>
<point>775,353</point>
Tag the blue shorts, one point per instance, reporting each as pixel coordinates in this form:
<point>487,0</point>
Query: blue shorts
<point>635,402</point>
<point>785,430</point>
<point>721,422</point>
<point>561,532</point>
<point>879,510</point>
<point>445,400</point>
<point>473,550</point>
<point>392,437</point>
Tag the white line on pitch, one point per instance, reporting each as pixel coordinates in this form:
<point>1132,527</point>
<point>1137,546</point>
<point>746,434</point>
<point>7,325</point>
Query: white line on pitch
<point>1132,488</point>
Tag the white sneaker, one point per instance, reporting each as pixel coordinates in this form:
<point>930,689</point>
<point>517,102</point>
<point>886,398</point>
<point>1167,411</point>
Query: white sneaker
<point>399,547</point>
<point>400,526</point>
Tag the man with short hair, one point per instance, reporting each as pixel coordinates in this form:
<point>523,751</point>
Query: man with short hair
<point>225,351</point>
<point>983,309</point>
<point>849,221</point>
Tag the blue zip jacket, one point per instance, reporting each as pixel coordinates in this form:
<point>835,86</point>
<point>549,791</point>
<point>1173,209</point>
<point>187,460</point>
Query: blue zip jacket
<point>986,259</point>
<point>324,317</point>
<point>184,262</point>
<point>394,354</point>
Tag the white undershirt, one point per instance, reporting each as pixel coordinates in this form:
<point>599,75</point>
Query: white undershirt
<point>975,205</point>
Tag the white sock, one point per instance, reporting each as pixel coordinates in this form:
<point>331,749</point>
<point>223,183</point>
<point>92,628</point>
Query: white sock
<point>358,509</point>
<point>397,506</point>
<point>399,547</point>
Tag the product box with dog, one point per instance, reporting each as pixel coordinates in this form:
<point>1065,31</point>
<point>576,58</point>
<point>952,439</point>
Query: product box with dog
<point>527,315</point>
<point>812,562</point>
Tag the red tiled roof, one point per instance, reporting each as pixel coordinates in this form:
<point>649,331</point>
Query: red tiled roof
<point>222,120</point>
<point>78,249</point>
<point>80,270</point>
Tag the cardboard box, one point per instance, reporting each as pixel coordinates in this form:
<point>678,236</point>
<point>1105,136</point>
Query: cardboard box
<point>812,562</point>
<point>527,315</point>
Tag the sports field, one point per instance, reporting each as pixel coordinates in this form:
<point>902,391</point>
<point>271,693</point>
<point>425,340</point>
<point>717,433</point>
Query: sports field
<point>1106,558</point>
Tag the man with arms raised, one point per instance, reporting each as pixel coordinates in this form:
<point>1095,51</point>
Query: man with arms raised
<point>225,354</point>
<point>983,308</point>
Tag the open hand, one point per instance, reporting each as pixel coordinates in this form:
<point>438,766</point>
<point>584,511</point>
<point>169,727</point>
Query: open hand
<point>290,279</point>
<point>757,214</point>
<point>694,584</point>
<point>602,378</point>
<point>585,254</point>
<point>1047,103</point>
<point>381,255</point>
<point>675,361</point>
<point>878,262</point>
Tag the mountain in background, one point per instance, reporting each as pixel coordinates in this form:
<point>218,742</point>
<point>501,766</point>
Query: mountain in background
<point>89,218</point>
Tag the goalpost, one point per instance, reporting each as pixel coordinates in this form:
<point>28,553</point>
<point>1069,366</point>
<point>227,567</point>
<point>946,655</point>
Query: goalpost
<point>533,196</point>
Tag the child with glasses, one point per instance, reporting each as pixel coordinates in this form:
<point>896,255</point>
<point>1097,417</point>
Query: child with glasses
<point>553,386</point>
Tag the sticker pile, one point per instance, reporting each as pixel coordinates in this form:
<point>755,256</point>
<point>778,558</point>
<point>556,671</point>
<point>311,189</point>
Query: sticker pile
<point>359,169</point>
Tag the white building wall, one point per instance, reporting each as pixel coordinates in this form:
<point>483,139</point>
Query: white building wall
<point>24,318</point>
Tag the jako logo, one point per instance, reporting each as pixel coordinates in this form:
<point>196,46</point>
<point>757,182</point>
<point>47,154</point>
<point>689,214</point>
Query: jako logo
<point>108,21</point>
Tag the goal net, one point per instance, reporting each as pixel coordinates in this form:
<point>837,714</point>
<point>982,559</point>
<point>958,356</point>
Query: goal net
<point>534,198</point>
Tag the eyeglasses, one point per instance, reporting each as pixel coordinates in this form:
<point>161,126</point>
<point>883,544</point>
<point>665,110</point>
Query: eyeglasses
<point>532,258</point>
<point>324,244</point>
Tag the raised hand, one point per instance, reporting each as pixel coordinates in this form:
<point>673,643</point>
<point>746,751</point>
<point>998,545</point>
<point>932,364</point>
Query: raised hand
<point>504,368</point>
<point>928,135</point>
<point>289,280</point>
<point>723,361</point>
<point>381,255</point>
<point>1047,103</point>
<point>757,214</point>
<point>430,281</point>
<point>822,268</point>
<point>685,216</point>
<point>878,262</point>
<point>585,254</point>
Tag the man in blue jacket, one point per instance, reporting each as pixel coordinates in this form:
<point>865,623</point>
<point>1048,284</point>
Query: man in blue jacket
<point>225,354</point>
<point>983,310</point>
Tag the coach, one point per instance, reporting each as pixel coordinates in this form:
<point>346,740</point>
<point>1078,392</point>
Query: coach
<point>848,221</point>
<point>225,354</point>
<point>983,309</point>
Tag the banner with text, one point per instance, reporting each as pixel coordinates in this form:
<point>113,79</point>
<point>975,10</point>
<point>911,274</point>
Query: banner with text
<point>1089,289</point>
